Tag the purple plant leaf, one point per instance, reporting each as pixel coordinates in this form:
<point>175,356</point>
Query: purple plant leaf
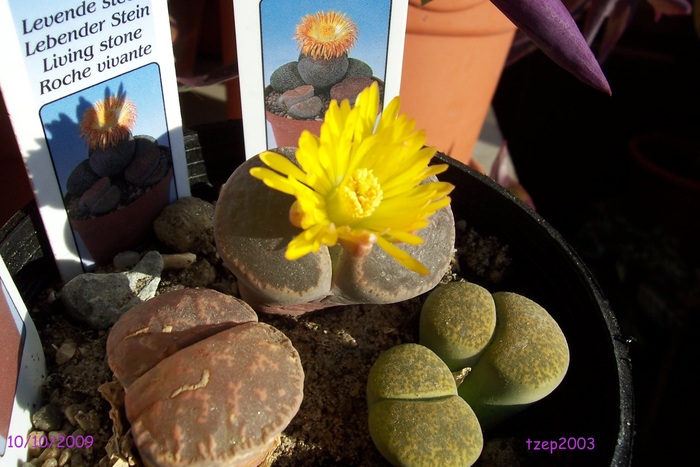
<point>501,174</point>
<point>596,16</point>
<point>552,28</point>
<point>617,23</point>
<point>670,8</point>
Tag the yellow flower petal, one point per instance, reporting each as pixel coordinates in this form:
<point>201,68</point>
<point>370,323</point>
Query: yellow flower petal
<point>402,257</point>
<point>273,179</point>
<point>283,165</point>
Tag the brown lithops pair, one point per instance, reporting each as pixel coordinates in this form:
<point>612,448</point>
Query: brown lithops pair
<point>206,383</point>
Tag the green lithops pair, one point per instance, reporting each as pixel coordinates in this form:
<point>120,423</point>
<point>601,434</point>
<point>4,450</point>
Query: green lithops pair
<point>415,415</point>
<point>515,352</point>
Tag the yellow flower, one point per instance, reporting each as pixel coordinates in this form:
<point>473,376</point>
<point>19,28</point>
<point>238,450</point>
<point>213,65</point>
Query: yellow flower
<point>326,35</point>
<point>108,121</point>
<point>358,185</point>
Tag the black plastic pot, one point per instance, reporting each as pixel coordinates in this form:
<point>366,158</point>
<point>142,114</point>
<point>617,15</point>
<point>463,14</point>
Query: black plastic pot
<point>595,401</point>
<point>596,398</point>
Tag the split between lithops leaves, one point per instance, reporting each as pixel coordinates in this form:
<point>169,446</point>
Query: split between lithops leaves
<point>415,416</point>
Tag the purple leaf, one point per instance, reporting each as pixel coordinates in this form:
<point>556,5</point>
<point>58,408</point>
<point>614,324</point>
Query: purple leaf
<point>617,23</point>
<point>595,16</point>
<point>550,25</point>
<point>670,8</point>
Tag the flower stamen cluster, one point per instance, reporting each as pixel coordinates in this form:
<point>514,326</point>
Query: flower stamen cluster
<point>108,122</point>
<point>326,35</point>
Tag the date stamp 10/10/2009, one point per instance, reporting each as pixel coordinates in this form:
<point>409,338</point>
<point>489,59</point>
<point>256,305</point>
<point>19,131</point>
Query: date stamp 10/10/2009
<point>45,441</point>
<point>562,444</point>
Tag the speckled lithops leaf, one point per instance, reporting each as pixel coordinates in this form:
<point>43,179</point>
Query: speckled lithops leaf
<point>219,402</point>
<point>431,432</point>
<point>526,360</point>
<point>456,322</point>
<point>415,415</point>
<point>409,371</point>
<point>252,230</point>
<point>157,328</point>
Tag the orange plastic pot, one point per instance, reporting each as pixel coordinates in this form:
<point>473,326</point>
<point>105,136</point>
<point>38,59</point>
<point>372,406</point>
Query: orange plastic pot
<point>454,53</point>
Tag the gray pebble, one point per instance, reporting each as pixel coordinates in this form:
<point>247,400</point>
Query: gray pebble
<point>187,226</point>
<point>98,300</point>
<point>48,418</point>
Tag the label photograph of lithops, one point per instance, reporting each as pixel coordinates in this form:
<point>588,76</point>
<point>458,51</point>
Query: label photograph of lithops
<point>315,52</point>
<point>111,153</point>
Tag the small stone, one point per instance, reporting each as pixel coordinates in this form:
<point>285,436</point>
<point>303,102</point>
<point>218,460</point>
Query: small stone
<point>200,274</point>
<point>89,422</point>
<point>349,88</point>
<point>98,300</point>
<point>286,77</point>
<point>50,463</point>
<point>48,418</point>
<point>178,260</point>
<point>296,95</point>
<point>49,453</point>
<point>70,412</point>
<point>126,260</point>
<point>81,179</point>
<point>65,457</point>
<point>322,73</point>
<point>78,459</point>
<point>187,226</point>
<point>308,109</point>
<point>65,352</point>
<point>111,162</point>
<point>34,450</point>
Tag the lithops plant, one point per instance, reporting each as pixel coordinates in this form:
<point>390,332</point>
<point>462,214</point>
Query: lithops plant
<point>118,164</point>
<point>354,216</point>
<point>323,67</point>
<point>526,360</point>
<point>415,415</point>
<point>206,383</point>
<point>457,322</point>
<point>515,350</point>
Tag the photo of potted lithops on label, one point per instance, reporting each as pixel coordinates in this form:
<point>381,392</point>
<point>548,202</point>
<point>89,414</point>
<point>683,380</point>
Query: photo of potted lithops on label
<point>111,151</point>
<point>313,52</point>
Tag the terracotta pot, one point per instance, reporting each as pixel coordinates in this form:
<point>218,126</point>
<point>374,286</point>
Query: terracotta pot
<point>288,130</point>
<point>454,53</point>
<point>120,230</point>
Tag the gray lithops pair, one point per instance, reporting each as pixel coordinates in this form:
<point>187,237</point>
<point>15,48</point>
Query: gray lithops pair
<point>252,230</point>
<point>516,355</point>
